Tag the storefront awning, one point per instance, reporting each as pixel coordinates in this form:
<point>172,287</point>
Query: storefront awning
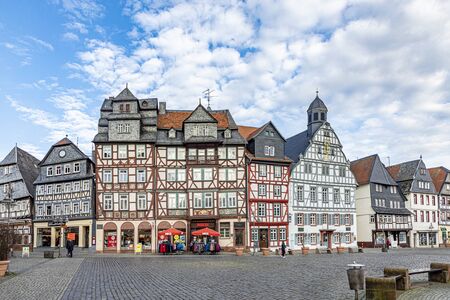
<point>171,231</point>
<point>205,231</point>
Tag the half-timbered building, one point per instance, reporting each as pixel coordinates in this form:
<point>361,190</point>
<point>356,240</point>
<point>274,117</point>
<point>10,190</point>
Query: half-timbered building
<point>200,174</point>
<point>322,187</point>
<point>64,201</point>
<point>417,186</point>
<point>441,181</point>
<point>124,157</point>
<point>380,206</point>
<point>18,170</point>
<point>268,171</point>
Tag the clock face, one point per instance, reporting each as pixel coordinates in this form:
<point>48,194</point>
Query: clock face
<point>62,153</point>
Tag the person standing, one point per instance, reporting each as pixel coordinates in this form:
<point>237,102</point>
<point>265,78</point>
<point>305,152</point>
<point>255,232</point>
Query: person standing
<point>283,250</point>
<point>70,248</point>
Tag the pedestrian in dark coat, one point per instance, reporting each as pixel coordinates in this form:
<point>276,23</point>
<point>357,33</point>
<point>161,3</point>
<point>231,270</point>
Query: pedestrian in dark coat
<point>69,246</point>
<point>283,250</point>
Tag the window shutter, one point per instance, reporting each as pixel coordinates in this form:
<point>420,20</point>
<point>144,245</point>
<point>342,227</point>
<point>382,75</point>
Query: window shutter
<point>341,219</point>
<point>351,219</point>
<point>330,219</point>
<point>306,219</point>
<point>296,219</point>
<point>319,222</point>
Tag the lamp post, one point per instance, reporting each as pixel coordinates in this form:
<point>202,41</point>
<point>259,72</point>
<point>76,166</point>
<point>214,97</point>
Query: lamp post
<point>8,202</point>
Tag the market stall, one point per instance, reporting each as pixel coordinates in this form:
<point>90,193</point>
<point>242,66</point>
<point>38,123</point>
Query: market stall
<point>205,241</point>
<point>171,241</point>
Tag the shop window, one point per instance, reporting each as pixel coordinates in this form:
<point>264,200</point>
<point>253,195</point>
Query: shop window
<point>145,237</point>
<point>110,239</point>
<point>127,239</point>
<point>402,237</point>
<point>225,230</point>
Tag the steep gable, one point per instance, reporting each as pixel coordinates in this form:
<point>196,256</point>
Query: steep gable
<point>200,115</point>
<point>438,175</point>
<point>362,169</point>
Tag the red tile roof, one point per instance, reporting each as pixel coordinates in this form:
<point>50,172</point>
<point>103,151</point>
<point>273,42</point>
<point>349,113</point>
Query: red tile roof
<point>362,169</point>
<point>394,170</point>
<point>438,176</point>
<point>247,131</point>
<point>175,119</point>
<point>64,141</point>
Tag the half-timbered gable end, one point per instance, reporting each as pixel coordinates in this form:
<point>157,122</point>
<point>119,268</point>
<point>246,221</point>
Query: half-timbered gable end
<point>441,181</point>
<point>268,186</point>
<point>65,193</point>
<point>322,186</point>
<point>380,205</point>
<point>125,159</point>
<point>417,186</point>
<point>200,169</point>
<point>18,170</point>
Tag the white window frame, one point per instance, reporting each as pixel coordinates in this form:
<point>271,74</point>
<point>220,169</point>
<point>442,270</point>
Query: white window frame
<point>277,190</point>
<point>76,167</point>
<point>107,176</point>
<point>123,202</point>
<point>107,202</point>
<point>228,200</point>
<point>107,152</point>
<point>123,175</point>
<point>122,151</point>
<point>140,175</point>
<point>262,170</point>
<point>141,201</point>
<point>49,171</point>
<point>67,169</point>
<point>277,171</point>
<point>262,189</point>
<point>277,210</point>
<point>262,209</point>
<point>141,151</point>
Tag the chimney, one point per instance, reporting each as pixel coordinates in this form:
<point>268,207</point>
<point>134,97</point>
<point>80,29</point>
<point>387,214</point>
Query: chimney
<point>162,108</point>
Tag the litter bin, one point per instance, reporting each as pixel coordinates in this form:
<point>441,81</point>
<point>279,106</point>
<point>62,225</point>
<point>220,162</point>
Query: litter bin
<point>355,275</point>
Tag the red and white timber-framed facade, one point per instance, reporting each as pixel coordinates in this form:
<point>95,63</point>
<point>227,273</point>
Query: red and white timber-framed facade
<point>268,172</point>
<point>200,174</point>
<point>124,156</point>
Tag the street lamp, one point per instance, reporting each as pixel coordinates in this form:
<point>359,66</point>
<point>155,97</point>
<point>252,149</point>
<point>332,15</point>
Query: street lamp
<point>8,202</point>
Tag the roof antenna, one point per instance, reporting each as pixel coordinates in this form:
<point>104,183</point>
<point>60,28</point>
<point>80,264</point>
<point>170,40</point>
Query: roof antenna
<point>77,141</point>
<point>200,101</point>
<point>207,95</point>
<point>126,85</point>
<point>317,93</point>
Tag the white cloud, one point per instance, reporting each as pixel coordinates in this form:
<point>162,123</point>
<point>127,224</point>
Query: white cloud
<point>70,36</point>
<point>80,27</point>
<point>34,150</point>
<point>381,66</point>
<point>41,43</point>
<point>84,10</point>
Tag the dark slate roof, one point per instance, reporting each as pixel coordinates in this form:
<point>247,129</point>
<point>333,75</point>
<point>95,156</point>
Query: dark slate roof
<point>391,211</point>
<point>258,131</point>
<point>64,142</point>
<point>125,94</point>
<point>200,115</point>
<point>404,171</point>
<point>297,145</point>
<point>317,104</point>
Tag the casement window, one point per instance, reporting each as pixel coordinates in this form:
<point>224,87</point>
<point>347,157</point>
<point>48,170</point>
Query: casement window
<point>299,219</point>
<point>76,167</point>
<point>140,151</point>
<point>202,174</point>
<point>58,210</point>
<point>422,218</point>
<point>76,208</point>
<point>177,200</point>
<point>227,174</point>
<point>372,218</point>
<point>336,196</point>
<point>58,189</point>
<point>40,211</point>
<point>422,171</point>
<point>261,209</point>
<point>336,219</point>
<point>49,171</point>
<point>40,190</point>
<point>224,230</point>
<point>66,209</point>
<point>415,198</point>
<point>277,171</point>
<point>227,200</point>
<point>203,200</point>
<point>421,199</point>
<point>176,174</point>
<point>347,238</point>
<point>86,185</point>
<point>415,216</point>
<point>227,133</point>
<point>433,200</point>
<point>336,238</point>
<point>308,168</point>
<point>347,219</point>
<point>342,171</point>
<point>107,176</point>
<point>325,169</point>
<point>261,189</point>
<point>325,195</point>
<point>140,175</point>
<point>227,152</point>
<point>76,186</point>
<point>277,190</point>
<point>85,207</point>
<point>67,188</point>
<point>123,175</point>
<point>393,189</point>
<point>282,234</point>
<point>276,209</point>
<point>428,216</point>
<point>312,219</point>
<point>347,196</point>
<point>269,150</point>
<point>262,170</point>
<point>299,193</point>
<point>428,200</point>
<point>67,169</point>
<point>299,238</point>
<point>141,202</point>
<point>313,238</point>
<point>58,170</point>
<point>123,202</point>
<point>49,210</point>
<point>324,219</point>
<point>313,194</point>
<point>254,235</point>
<point>379,188</point>
<point>433,216</point>
<point>273,234</point>
<point>176,153</point>
<point>107,202</point>
<point>107,152</point>
<point>49,189</point>
<point>123,151</point>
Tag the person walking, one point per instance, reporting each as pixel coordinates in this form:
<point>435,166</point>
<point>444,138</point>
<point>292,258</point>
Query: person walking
<point>283,250</point>
<point>70,246</point>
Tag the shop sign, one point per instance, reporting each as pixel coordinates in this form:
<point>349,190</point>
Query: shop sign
<point>71,236</point>
<point>56,224</point>
<point>25,251</point>
<point>202,224</point>
<point>138,248</point>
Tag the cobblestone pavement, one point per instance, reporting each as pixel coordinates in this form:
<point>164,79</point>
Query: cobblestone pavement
<point>213,277</point>
<point>435,291</point>
<point>19,265</point>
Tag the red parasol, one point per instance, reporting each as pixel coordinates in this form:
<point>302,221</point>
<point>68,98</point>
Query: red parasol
<point>205,231</point>
<point>171,231</point>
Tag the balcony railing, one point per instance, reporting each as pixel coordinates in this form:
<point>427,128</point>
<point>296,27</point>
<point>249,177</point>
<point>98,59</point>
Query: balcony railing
<point>202,160</point>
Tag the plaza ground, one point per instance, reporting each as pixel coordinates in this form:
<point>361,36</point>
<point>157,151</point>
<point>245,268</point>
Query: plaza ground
<point>208,277</point>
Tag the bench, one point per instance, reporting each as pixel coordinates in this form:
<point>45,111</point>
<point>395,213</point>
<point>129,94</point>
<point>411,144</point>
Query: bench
<point>438,272</point>
<point>383,287</point>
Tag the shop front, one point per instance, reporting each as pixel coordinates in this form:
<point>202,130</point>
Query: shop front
<point>171,237</point>
<point>425,239</point>
<point>200,224</point>
<point>396,238</point>
<point>54,234</point>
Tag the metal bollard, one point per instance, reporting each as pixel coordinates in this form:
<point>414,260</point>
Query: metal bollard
<point>356,277</point>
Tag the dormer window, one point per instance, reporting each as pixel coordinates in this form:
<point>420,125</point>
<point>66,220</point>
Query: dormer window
<point>121,107</point>
<point>200,130</point>
<point>172,133</point>
<point>127,107</point>
<point>269,150</point>
<point>144,104</point>
<point>316,116</point>
<point>422,171</point>
<point>227,133</point>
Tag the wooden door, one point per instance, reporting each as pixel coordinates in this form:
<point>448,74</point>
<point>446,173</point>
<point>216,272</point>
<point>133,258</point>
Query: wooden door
<point>263,239</point>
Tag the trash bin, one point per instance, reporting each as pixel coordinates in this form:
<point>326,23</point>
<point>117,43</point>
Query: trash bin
<point>356,277</point>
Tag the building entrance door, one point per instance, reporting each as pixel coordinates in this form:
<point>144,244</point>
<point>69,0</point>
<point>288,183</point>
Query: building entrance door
<point>263,240</point>
<point>326,239</point>
<point>86,237</point>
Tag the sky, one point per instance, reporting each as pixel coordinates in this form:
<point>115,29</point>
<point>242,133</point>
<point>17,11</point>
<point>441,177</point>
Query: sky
<point>381,67</point>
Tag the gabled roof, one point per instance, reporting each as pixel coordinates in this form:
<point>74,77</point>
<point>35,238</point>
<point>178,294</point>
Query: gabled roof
<point>404,171</point>
<point>125,94</point>
<point>200,115</point>
<point>246,131</point>
<point>64,142</point>
<point>257,131</point>
<point>175,119</point>
<point>297,144</point>
<point>371,169</point>
<point>438,175</point>
<point>317,104</point>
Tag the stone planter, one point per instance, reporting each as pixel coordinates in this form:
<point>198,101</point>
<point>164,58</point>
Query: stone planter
<point>340,250</point>
<point>305,250</point>
<point>3,267</point>
<point>265,251</point>
<point>239,251</point>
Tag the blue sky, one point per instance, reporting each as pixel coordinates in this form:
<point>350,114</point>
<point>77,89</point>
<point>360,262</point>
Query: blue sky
<point>380,66</point>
